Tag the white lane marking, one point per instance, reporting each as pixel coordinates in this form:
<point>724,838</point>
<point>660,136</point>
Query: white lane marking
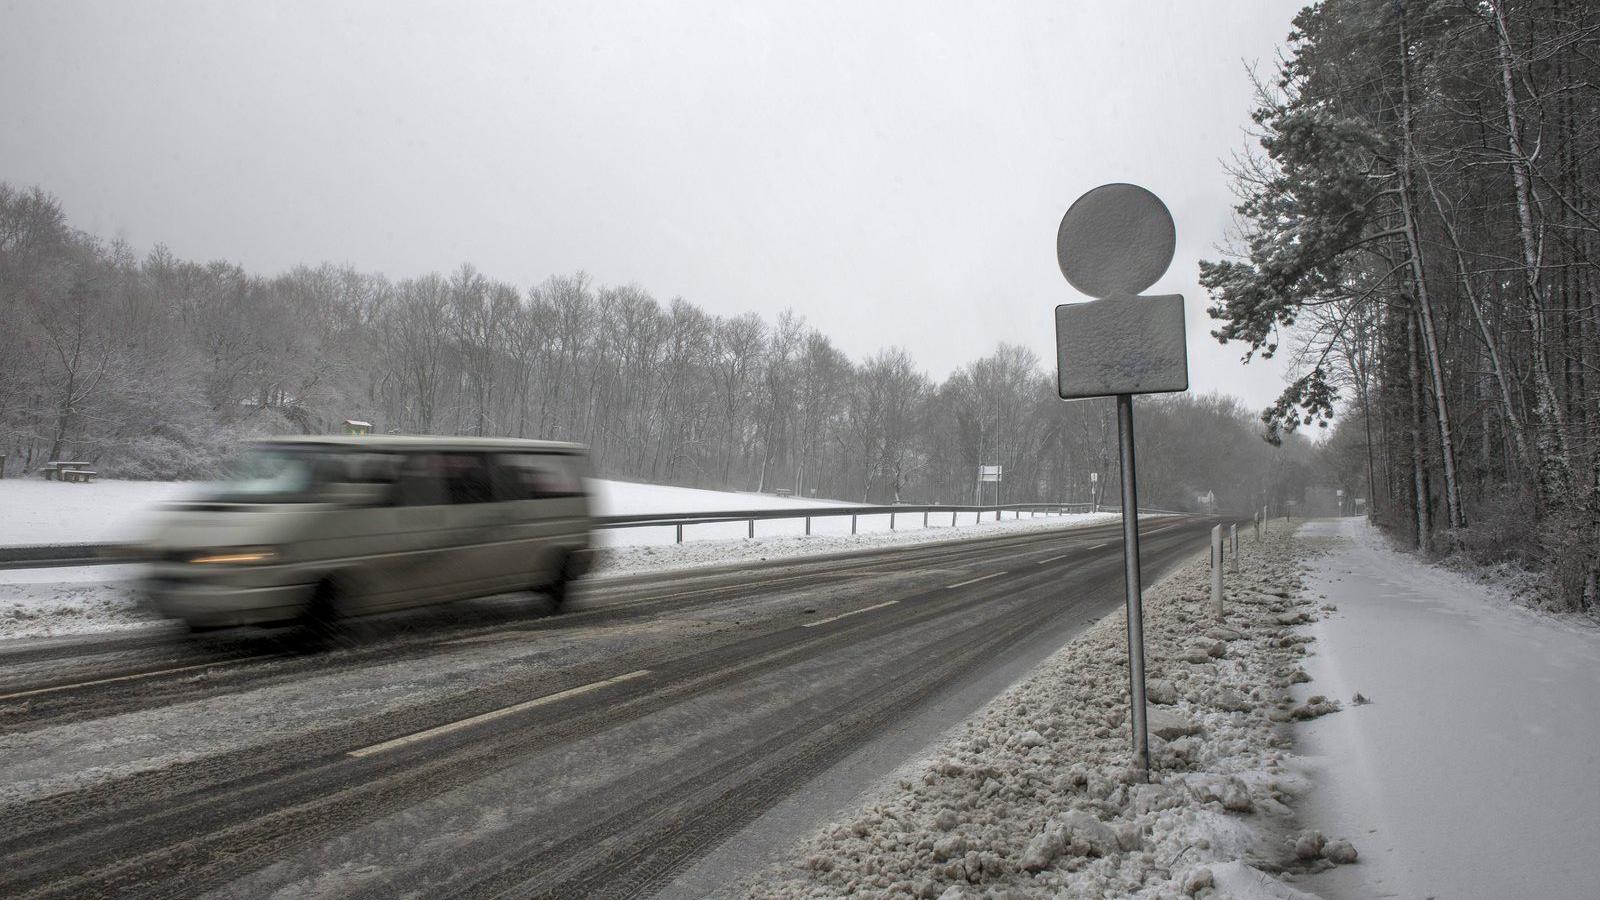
<point>493,714</point>
<point>489,638</point>
<point>137,675</point>
<point>974,580</point>
<point>1098,546</point>
<point>1052,559</point>
<point>852,612</point>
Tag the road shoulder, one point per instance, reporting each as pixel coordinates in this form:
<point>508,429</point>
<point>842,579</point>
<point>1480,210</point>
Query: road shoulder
<point>1033,795</point>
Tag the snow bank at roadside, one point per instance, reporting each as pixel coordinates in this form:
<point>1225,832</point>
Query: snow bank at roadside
<point>1034,798</point>
<point>50,609</point>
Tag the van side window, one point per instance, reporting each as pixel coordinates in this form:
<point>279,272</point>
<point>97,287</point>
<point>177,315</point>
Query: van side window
<point>420,482</point>
<point>466,477</point>
<point>535,476</point>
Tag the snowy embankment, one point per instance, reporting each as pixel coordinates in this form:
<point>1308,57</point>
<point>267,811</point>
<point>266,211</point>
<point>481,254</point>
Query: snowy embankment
<point>1034,797</point>
<point>58,601</point>
<point>1471,771</point>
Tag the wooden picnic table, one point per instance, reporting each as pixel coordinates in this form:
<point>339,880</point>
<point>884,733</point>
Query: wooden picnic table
<point>68,470</point>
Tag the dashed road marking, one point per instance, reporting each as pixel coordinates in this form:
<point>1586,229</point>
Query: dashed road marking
<point>134,677</point>
<point>493,714</point>
<point>852,612</point>
<point>974,580</point>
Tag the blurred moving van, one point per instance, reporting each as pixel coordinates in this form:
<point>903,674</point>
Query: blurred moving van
<point>309,530</point>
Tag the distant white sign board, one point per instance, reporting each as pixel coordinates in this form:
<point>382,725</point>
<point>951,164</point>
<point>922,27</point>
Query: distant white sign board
<point>990,473</point>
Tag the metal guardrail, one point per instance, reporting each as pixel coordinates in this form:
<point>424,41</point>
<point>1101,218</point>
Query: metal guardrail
<point>44,556</point>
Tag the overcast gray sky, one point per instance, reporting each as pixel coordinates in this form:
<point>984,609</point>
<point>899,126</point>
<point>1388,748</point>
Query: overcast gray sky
<point>894,172</point>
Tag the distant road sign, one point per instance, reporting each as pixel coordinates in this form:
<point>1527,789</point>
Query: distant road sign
<point>990,473</point>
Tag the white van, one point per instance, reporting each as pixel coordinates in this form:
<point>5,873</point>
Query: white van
<point>309,530</point>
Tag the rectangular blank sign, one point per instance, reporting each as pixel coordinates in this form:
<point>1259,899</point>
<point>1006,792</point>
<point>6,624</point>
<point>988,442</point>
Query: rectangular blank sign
<point>1121,345</point>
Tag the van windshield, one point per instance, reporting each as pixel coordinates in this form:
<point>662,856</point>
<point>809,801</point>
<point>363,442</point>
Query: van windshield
<point>298,474</point>
<point>268,475</point>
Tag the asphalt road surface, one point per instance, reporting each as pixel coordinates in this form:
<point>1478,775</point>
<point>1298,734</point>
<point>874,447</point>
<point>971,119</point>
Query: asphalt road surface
<point>491,748</point>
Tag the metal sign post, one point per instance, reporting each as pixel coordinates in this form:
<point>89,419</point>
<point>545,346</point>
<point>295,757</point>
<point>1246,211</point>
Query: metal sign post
<point>1114,242</point>
<point>1133,581</point>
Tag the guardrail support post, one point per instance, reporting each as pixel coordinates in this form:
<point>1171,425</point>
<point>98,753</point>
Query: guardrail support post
<point>680,533</point>
<point>808,525</point>
<point>852,523</point>
<point>1233,548</point>
<point>752,528</point>
<point>891,521</point>
<point>924,518</point>
<point>1216,568</point>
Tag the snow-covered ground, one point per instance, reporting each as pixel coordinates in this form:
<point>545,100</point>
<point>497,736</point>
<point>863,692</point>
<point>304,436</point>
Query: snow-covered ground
<point>35,511</point>
<point>1472,771</point>
<point>38,602</point>
<point>1034,797</point>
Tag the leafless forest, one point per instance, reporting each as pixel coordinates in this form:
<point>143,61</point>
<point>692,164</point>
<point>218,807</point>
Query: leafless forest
<point>154,367</point>
<point>1422,220</point>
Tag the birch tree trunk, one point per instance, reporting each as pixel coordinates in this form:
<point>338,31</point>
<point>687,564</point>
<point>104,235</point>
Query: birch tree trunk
<point>1555,466</point>
<point>1419,279</point>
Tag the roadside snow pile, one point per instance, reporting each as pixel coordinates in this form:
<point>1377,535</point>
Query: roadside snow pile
<point>1035,797</point>
<point>646,558</point>
<point>50,609</point>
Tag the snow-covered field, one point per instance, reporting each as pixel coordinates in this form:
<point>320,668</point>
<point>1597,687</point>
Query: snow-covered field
<point>1471,773</point>
<point>1034,796</point>
<point>37,602</point>
<point>34,511</point>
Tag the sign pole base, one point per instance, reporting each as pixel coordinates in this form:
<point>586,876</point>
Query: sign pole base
<point>1130,560</point>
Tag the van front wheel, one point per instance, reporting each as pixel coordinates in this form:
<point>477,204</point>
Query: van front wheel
<point>319,626</point>
<point>561,586</point>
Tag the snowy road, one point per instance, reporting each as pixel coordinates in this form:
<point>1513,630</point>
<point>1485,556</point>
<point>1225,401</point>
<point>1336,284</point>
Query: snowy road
<point>491,748</point>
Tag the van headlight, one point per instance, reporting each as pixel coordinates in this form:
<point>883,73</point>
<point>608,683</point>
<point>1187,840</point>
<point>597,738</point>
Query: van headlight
<point>237,556</point>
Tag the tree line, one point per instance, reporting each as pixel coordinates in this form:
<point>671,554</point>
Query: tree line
<point>155,367</point>
<point>1418,228</point>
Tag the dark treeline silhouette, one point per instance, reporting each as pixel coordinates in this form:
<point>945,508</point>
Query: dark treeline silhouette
<point>156,367</point>
<point>1423,213</point>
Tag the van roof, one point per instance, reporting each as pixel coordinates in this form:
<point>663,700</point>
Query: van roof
<point>422,442</point>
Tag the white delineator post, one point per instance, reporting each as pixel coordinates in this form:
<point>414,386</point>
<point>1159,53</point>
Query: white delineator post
<point>1216,568</point>
<point>1233,548</point>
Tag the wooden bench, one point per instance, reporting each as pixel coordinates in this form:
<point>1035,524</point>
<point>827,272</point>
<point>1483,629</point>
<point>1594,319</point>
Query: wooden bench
<point>78,476</point>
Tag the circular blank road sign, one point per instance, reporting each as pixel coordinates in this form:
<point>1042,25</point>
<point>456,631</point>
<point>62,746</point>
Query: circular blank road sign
<point>1116,240</point>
